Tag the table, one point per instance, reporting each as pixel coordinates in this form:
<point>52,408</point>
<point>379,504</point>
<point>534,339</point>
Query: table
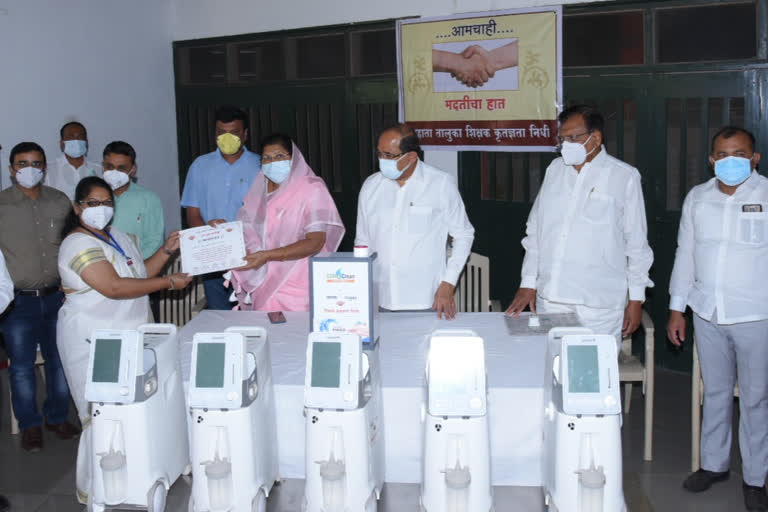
<point>515,365</point>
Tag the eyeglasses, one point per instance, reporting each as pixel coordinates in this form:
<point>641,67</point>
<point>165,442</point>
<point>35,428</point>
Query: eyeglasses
<point>265,159</point>
<point>37,164</point>
<point>387,156</point>
<point>572,138</point>
<point>92,203</point>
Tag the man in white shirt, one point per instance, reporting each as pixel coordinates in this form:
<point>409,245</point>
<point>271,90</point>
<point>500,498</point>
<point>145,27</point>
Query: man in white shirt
<point>720,268</point>
<point>586,244</point>
<point>71,166</point>
<point>6,296</point>
<point>405,214</point>
<point>6,285</point>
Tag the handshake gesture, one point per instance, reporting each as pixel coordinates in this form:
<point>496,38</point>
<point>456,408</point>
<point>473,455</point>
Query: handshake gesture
<point>475,65</point>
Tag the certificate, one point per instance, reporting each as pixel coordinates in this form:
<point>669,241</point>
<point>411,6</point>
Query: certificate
<point>205,249</point>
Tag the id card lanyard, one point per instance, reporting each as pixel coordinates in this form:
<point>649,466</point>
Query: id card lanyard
<point>112,243</point>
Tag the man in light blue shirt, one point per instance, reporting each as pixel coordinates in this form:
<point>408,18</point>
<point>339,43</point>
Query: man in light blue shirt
<point>216,185</point>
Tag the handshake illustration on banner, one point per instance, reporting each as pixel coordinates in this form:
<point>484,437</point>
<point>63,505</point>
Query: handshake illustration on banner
<point>475,65</point>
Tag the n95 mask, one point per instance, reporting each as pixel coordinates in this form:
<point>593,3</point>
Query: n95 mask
<point>97,216</point>
<point>574,153</point>
<point>116,179</point>
<point>228,144</point>
<point>29,177</point>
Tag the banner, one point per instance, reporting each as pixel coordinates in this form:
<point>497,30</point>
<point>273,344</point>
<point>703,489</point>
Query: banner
<point>487,81</point>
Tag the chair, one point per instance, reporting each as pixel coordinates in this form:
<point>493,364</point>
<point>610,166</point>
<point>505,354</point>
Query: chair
<point>39,362</point>
<point>631,370</point>
<point>472,290</point>
<point>697,400</point>
<point>179,306</point>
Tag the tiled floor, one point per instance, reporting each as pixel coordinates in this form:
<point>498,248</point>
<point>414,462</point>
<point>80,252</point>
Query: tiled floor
<point>45,481</point>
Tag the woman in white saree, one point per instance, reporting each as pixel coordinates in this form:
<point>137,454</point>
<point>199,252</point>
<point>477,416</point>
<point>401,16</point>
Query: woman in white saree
<point>106,283</point>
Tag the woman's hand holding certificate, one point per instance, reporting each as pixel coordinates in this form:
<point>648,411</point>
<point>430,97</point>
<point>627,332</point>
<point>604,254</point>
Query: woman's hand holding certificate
<point>212,249</point>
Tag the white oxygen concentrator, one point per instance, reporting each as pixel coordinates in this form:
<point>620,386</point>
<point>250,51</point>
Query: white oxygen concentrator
<point>344,425</point>
<point>457,464</point>
<point>139,440</point>
<point>234,435</point>
<point>582,423</point>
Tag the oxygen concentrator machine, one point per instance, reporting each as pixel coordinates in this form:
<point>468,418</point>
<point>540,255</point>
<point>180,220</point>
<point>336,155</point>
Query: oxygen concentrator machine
<point>457,464</point>
<point>139,440</point>
<point>344,424</point>
<point>234,435</point>
<point>582,423</point>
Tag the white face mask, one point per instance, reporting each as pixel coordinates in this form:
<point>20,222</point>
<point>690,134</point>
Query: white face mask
<point>29,177</point>
<point>574,153</point>
<point>75,148</point>
<point>116,179</point>
<point>389,168</point>
<point>97,217</point>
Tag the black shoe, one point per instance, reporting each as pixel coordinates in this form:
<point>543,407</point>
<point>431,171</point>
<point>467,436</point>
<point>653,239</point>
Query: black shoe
<point>32,439</point>
<point>64,430</point>
<point>4,505</point>
<point>702,480</point>
<point>755,497</point>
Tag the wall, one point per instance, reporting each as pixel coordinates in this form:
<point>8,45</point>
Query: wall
<point>106,63</point>
<point>194,19</point>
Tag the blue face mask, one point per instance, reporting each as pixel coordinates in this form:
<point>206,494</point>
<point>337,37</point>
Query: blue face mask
<point>389,168</point>
<point>277,172</point>
<point>733,170</point>
<point>75,148</point>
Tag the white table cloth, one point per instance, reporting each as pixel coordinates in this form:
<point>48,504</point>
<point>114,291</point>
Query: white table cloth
<point>515,366</point>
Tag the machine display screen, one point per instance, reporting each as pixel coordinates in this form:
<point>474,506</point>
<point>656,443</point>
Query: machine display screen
<point>106,360</point>
<point>583,369</point>
<point>210,365</point>
<point>326,365</point>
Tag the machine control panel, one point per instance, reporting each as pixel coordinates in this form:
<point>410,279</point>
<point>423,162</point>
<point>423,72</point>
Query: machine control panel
<point>456,374</point>
<point>589,374</point>
<point>218,369</point>
<point>122,363</point>
<point>334,371</point>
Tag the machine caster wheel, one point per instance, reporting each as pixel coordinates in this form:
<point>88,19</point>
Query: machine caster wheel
<point>156,497</point>
<point>259,503</point>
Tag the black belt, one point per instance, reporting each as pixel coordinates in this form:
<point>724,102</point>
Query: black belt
<point>39,292</point>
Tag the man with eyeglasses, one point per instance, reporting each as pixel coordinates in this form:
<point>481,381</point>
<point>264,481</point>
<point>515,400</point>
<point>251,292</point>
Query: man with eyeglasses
<point>71,166</point>
<point>32,216</point>
<point>405,213</point>
<point>586,244</point>
<point>216,185</point>
<point>720,268</point>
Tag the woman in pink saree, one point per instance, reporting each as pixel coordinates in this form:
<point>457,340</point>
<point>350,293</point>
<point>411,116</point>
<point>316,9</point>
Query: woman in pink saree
<point>288,215</point>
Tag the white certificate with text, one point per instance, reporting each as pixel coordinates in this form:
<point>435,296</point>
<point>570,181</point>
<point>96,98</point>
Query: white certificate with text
<point>205,249</point>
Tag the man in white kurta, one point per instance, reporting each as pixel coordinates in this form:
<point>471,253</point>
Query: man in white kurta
<point>71,166</point>
<point>586,244</point>
<point>720,269</point>
<point>405,214</point>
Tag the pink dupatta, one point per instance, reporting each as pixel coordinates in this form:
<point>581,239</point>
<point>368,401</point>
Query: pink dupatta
<point>301,205</point>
